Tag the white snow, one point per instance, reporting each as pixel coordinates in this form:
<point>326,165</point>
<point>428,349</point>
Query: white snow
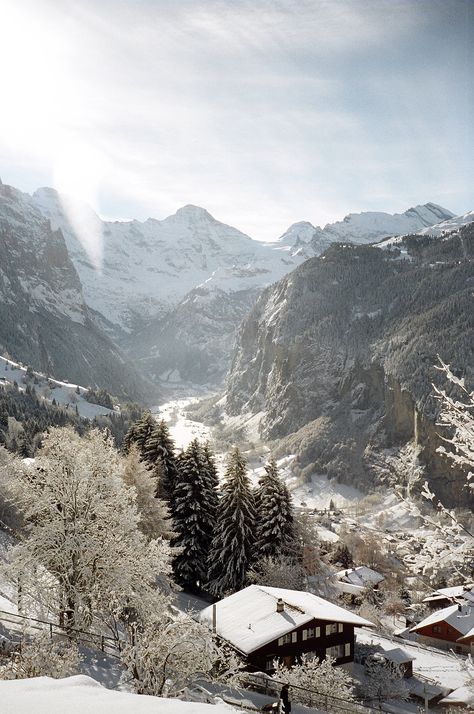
<point>445,669</point>
<point>249,619</point>
<point>64,393</point>
<point>79,694</point>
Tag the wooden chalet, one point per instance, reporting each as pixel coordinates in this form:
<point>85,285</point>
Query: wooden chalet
<point>264,624</point>
<point>449,628</point>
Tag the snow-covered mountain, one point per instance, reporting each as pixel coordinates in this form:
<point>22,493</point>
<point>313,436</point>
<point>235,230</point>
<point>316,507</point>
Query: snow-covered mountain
<point>44,319</point>
<point>148,267</point>
<point>172,292</point>
<point>451,224</point>
<point>307,240</point>
<point>337,360</point>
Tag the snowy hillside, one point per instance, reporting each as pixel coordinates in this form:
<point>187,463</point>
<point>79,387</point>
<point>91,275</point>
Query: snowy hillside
<point>451,224</point>
<point>80,694</point>
<point>64,393</point>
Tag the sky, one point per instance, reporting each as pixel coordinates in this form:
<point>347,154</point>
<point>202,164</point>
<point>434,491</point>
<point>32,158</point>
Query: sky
<point>264,112</point>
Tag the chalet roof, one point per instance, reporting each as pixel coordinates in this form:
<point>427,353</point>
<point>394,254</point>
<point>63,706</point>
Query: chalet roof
<point>462,695</point>
<point>360,576</point>
<point>468,636</point>
<point>461,620</point>
<point>466,591</point>
<point>398,655</point>
<point>249,619</point>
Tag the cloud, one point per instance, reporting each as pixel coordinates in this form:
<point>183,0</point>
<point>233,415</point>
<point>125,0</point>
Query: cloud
<point>265,113</point>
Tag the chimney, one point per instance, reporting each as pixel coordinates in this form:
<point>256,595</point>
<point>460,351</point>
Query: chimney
<point>280,605</point>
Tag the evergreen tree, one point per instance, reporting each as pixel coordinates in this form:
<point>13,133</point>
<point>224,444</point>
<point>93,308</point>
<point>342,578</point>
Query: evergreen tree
<point>231,551</point>
<point>159,452</point>
<point>139,433</point>
<point>212,477</point>
<point>275,522</point>
<point>194,517</point>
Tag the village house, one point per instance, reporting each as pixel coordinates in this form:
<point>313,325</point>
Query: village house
<point>353,581</point>
<point>449,628</point>
<point>264,624</point>
<point>447,596</point>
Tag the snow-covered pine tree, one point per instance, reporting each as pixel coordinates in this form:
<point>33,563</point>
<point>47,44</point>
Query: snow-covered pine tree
<point>232,545</point>
<point>212,477</point>
<point>139,433</point>
<point>160,455</point>
<point>275,526</point>
<point>194,517</point>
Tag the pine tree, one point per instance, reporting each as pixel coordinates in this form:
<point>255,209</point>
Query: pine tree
<point>231,551</point>
<point>212,477</point>
<point>139,433</point>
<point>275,527</point>
<point>194,517</point>
<point>159,452</point>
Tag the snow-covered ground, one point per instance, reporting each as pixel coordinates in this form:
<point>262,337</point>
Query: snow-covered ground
<point>64,393</point>
<point>79,694</point>
<point>182,429</point>
<point>441,667</point>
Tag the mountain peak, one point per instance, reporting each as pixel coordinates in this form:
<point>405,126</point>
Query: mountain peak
<point>430,213</point>
<point>193,212</point>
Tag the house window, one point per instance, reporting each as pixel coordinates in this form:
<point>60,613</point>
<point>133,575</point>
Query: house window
<point>335,651</point>
<point>436,628</point>
<point>340,627</point>
<point>347,649</point>
<point>286,639</point>
<point>294,637</point>
<point>311,632</point>
<point>331,629</point>
<point>269,663</point>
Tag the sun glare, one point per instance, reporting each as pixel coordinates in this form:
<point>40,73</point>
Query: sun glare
<point>77,175</point>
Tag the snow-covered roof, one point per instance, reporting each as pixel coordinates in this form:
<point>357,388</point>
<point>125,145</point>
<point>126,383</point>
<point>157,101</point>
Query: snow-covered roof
<point>462,695</point>
<point>466,591</point>
<point>461,620</point>
<point>361,576</point>
<point>398,655</point>
<point>249,619</point>
<point>467,636</point>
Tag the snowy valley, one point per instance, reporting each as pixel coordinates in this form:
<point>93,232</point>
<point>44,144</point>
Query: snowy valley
<point>296,374</point>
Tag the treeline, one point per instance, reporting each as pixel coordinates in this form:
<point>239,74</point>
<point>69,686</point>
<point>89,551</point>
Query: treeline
<point>224,535</point>
<point>25,417</point>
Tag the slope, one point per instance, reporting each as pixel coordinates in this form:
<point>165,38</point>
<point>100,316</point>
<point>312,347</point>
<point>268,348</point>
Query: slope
<point>340,354</point>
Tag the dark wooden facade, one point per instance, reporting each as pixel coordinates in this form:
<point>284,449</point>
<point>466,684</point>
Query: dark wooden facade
<point>342,640</point>
<point>440,633</point>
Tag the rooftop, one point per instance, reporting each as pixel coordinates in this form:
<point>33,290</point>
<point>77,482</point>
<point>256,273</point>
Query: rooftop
<point>249,618</point>
<point>461,620</point>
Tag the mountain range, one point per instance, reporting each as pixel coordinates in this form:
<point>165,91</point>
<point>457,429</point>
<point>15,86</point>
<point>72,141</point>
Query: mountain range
<point>164,296</point>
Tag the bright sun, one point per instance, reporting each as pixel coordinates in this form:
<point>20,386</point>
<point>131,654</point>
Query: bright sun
<point>42,106</point>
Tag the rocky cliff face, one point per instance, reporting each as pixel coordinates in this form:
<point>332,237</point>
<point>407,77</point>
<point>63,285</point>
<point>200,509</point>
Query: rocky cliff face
<point>340,354</point>
<point>44,320</point>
